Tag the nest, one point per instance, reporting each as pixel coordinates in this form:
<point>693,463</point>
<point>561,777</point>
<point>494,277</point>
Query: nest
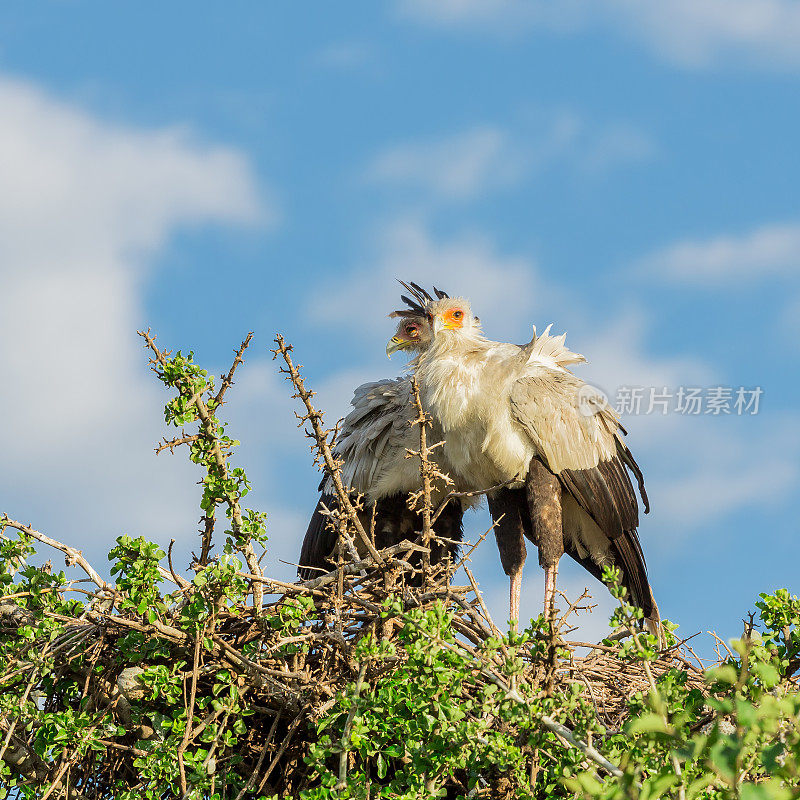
<point>290,681</point>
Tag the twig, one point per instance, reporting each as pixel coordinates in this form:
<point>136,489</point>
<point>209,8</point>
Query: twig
<point>321,438</point>
<point>348,726</point>
<point>228,379</point>
<point>209,424</point>
<point>190,708</point>
<point>426,472</point>
<point>72,555</point>
<point>182,582</point>
<point>254,774</point>
<point>590,752</point>
<point>171,444</point>
<point>476,493</point>
<point>479,597</point>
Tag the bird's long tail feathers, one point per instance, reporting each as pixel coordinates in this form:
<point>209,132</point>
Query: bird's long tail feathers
<point>653,624</point>
<point>630,559</point>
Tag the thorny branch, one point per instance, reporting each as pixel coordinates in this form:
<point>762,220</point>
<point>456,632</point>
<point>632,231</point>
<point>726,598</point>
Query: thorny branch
<point>322,439</point>
<point>71,554</point>
<point>209,424</point>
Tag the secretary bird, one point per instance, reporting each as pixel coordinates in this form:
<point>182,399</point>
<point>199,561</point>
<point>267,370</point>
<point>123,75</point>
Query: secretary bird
<point>372,446</point>
<point>515,414</point>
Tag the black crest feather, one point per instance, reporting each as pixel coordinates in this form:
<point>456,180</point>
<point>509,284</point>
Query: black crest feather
<point>421,298</point>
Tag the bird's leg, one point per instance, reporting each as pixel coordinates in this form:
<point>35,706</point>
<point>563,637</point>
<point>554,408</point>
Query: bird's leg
<point>550,576</point>
<point>515,581</point>
<point>507,507</point>
<point>544,501</point>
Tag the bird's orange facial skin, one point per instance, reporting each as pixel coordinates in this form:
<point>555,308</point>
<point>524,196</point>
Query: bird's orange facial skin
<point>453,318</point>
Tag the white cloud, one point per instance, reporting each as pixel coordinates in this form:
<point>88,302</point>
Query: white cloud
<point>468,164</point>
<point>712,467</point>
<point>456,167</point>
<point>84,208</point>
<point>699,468</point>
<point>504,289</point>
<point>614,146</point>
<point>505,16</point>
<point>703,32</point>
<point>692,33</point>
<point>619,358</point>
<point>768,251</point>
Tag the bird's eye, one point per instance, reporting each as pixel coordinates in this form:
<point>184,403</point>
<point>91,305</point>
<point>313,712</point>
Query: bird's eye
<point>411,331</point>
<point>458,314</point>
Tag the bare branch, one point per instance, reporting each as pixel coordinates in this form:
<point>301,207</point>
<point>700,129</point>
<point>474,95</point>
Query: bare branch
<point>321,437</point>
<point>71,554</point>
<point>228,379</point>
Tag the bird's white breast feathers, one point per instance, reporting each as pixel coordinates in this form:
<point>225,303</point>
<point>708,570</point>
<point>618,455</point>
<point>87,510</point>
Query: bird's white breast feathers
<point>500,405</point>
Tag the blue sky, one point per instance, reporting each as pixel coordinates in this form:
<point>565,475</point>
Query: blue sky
<point>625,171</point>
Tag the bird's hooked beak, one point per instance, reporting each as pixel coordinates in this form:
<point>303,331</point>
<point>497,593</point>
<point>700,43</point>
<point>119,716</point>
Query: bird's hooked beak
<point>394,344</point>
<point>437,324</point>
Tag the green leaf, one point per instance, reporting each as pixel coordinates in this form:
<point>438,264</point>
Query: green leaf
<point>654,787</point>
<point>768,675</point>
<point>724,674</point>
<point>768,790</point>
<point>699,784</point>
<point>647,723</point>
<point>382,766</point>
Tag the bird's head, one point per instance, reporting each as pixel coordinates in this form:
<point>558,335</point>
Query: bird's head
<point>452,314</point>
<point>413,333</point>
<point>445,316</point>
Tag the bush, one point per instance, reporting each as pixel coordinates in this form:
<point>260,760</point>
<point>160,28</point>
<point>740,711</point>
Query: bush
<point>358,683</point>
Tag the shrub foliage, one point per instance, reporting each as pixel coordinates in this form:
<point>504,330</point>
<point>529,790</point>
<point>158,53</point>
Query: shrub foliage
<point>369,681</point>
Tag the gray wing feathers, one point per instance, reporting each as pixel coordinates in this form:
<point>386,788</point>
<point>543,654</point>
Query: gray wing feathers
<point>374,427</point>
<point>546,403</point>
<point>583,449</point>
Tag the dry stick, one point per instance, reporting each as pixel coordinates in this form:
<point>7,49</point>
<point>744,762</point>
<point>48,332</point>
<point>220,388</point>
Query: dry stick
<point>281,750</point>
<point>426,473</point>
<point>127,748</point>
<point>348,727</point>
<point>357,567</point>
<point>72,555</point>
<point>574,606</point>
<point>190,710</point>
<point>254,774</point>
<point>336,520</point>
<point>466,556</point>
<point>13,724</point>
<point>321,437</point>
<point>183,583</point>
<point>208,423</point>
<point>171,444</point>
<point>479,597</point>
<point>476,493</point>
<point>208,520</point>
<point>228,379</point>
<point>568,736</point>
